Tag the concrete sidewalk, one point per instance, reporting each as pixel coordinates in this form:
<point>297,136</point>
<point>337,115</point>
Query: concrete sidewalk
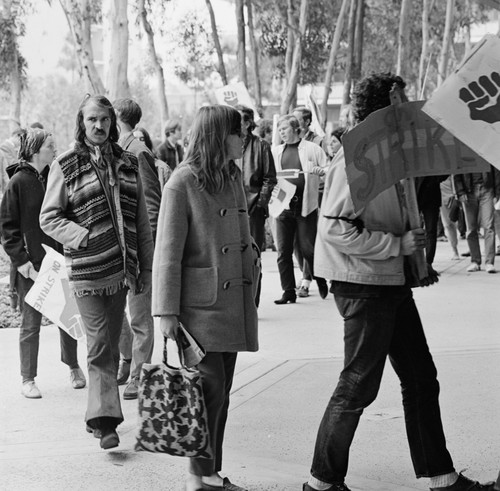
<point>279,396</point>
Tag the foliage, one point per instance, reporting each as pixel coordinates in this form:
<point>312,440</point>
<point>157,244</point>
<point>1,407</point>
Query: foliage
<point>10,29</point>
<point>381,30</point>
<point>194,54</point>
<point>322,15</point>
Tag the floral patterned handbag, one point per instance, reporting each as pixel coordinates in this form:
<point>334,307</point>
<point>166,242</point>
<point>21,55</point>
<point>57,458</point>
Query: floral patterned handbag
<point>172,412</point>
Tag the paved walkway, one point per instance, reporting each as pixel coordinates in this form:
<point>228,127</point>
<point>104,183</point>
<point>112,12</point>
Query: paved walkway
<point>278,398</point>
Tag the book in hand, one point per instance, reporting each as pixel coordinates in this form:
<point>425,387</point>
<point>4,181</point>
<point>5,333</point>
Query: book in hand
<point>190,351</point>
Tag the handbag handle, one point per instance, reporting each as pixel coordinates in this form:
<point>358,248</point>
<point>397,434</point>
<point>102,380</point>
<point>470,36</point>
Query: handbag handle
<point>179,352</point>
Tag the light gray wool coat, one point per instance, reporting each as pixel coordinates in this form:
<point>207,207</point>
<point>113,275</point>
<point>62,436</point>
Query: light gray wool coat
<point>206,267</point>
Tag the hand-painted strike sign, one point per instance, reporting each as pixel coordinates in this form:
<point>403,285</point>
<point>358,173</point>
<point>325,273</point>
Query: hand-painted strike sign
<point>401,141</point>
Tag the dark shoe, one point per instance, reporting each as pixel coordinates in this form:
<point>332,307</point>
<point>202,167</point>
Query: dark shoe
<point>303,292</point>
<point>333,487</point>
<point>96,431</point>
<point>109,439</point>
<point>132,389</point>
<point>322,287</point>
<point>465,254</point>
<point>227,485</point>
<point>465,484</point>
<point>123,372</point>
<point>288,296</point>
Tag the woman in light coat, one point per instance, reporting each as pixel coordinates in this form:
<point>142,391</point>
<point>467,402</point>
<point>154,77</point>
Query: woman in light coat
<point>206,269</point>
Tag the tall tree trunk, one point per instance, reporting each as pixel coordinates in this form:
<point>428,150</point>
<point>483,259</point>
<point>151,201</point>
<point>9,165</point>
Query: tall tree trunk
<point>290,38</point>
<point>358,41</point>
<point>291,89</point>
<point>14,90</point>
<point>254,50</point>
<point>215,37</point>
<point>346,96</point>
<point>160,78</point>
<point>403,39</point>
<point>336,34</point>
<point>445,48</point>
<point>425,48</point>
<point>78,15</point>
<point>241,52</point>
<point>117,76</point>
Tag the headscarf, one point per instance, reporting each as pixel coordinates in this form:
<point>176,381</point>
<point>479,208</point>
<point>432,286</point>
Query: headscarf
<point>31,141</point>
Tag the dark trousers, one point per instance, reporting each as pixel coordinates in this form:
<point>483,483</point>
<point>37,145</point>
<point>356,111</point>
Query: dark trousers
<point>102,316</point>
<point>431,220</point>
<point>374,328</point>
<point>290,225</point>
<point>217,371</point>
<point>257,231</point>
<point>29,335</point>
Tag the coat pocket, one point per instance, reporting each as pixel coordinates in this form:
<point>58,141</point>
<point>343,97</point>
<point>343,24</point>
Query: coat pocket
<point>199,287</point>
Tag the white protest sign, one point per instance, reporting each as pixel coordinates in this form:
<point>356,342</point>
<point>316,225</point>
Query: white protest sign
<point>234,94</point>
<point>280,198</point>
<point>315,114</point>
<point>50,295</point>
<point>468,102</point>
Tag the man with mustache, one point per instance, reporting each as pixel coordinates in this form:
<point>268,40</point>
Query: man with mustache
<point>95,207</point>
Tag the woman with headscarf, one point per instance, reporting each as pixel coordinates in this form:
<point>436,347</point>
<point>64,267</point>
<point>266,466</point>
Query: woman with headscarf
<point>204,270</point>
<point>22,239</point>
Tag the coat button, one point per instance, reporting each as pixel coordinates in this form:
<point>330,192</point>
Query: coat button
<point>222,212</point>
<point>226,285</point>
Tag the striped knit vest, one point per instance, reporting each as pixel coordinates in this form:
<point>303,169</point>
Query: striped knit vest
<point>105,265</point>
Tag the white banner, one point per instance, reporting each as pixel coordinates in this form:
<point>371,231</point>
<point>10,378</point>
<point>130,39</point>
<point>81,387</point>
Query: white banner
<point>468,102</point>
<point>50,295</point>
<point>234,94</point>
<point>280,198</point>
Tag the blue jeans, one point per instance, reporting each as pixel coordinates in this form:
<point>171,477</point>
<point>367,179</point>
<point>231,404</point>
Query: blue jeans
<point>381,322</point>
<point>479,212</point>
<point>102,316</point>
<point>29,335</point>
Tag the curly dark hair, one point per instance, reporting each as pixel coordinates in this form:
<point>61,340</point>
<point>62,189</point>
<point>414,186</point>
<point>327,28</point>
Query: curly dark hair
<point>247,115</point>
<point>372,93</point>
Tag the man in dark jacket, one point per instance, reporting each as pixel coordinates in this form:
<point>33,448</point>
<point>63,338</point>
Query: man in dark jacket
<point>22,239</point>
<point>171,151</point>
<point>259,177</point>
<point>136,341</point>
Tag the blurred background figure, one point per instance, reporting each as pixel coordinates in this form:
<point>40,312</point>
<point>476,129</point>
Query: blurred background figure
<point>171,150</point>
<point>22,239</point>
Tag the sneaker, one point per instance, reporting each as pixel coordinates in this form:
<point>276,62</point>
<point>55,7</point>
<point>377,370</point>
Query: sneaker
<point>30,390</point>
<point>77,378</point>
<point>132,389</point>
<point>490,268</point>
<point>473,267</point>
<point>465,484</point>
<point>333,487</point>
<point>123,372</point>
<point>303,292</point>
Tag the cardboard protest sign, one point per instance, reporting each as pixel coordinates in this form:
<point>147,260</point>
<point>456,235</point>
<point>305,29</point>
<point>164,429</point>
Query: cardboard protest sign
<point>280,198</point>
<point>50,295</point>
<point>234,94</point>
<point>468,102</point>
<point>401,141</point>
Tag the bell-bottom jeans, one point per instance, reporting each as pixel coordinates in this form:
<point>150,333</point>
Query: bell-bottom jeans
<point>381,322</point>
<point>102,316</point>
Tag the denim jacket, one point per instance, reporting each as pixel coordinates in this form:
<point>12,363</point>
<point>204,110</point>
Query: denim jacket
<point>368,254</point>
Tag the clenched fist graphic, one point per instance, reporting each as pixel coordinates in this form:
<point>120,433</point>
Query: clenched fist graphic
<point>483,98</point>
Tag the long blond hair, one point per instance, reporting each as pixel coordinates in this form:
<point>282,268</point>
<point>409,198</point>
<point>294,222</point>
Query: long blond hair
<point>206,151</point>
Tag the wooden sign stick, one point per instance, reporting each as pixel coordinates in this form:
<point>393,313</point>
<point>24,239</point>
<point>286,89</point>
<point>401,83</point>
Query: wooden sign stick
<point>397,97</point>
